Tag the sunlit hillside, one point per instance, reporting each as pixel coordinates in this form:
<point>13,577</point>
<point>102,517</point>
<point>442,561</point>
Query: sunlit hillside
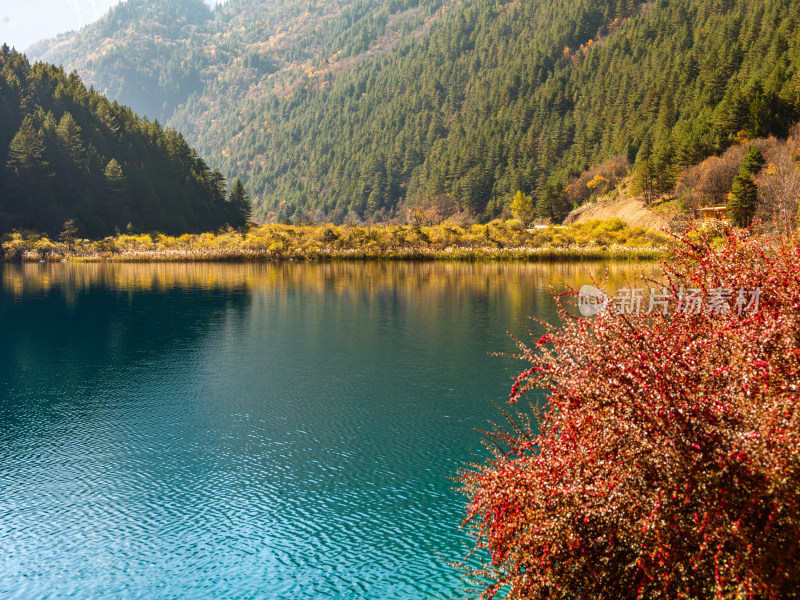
<point>357,110</point>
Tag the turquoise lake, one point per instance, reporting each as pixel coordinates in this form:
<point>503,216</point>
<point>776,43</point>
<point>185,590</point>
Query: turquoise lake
<point>276,431</point>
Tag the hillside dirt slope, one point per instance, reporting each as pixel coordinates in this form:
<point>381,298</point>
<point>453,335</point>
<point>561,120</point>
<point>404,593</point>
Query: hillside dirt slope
<point>632,210</point>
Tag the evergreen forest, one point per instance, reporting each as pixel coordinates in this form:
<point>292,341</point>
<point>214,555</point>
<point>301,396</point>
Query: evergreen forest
<point>330,110</point>
<point>70,156</point>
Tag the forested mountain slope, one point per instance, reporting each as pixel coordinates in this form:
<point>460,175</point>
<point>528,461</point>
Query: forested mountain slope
<point>155,54</point>
<point>67,153</point>
<point>329,109</point>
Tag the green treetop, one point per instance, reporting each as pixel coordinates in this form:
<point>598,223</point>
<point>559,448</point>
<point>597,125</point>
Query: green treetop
<point>240,203</point>
<point>744,195</point>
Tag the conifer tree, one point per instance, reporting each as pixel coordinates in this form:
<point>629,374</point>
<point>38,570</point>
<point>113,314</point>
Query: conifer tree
<point>116,192</point>
<point>114,176</point>
<point>28,173</point>
<point>744,196</point>
<point>26,151</point>
<point>644,181</point>
<point>69,139</point>
<point>240,204</point>
<point>217,184</point>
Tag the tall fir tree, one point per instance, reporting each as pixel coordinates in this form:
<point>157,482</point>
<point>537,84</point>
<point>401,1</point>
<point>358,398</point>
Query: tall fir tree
<point>28,173</point>
<point>242,208</point>
<point>743,198</point>
<point>116,195</point>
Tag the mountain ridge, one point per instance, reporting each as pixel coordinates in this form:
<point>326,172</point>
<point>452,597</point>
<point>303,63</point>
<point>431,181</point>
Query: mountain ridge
<point>472,101</point>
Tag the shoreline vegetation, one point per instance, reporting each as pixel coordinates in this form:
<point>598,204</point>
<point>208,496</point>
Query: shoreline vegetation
<point>653,441</point>
<point>611,239</point>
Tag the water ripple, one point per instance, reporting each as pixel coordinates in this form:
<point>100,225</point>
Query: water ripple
<point>291,442</point>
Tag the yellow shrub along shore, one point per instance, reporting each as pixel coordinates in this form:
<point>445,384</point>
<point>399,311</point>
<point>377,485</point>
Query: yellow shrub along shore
<point>497,240</point>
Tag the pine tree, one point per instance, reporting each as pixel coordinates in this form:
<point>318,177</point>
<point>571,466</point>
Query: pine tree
<point>69,139</point>
<point>744,195</point>
<point>28,174</point>
<point>26,151</point>
<point>753,160</point>
<point>217,184</point>
<point>240,204</point>
<point>116,195</point>
<point>644,181</point>
<point>114,176</point>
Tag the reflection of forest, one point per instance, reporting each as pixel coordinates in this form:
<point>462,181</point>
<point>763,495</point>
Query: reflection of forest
<point>64,325</point>
<point>340,277</point>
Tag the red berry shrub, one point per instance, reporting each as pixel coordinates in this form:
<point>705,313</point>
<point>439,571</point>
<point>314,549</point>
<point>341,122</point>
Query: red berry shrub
<point>667,461</point>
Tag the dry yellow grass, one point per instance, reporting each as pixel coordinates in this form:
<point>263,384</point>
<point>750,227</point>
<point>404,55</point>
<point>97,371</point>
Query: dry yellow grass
<point>497,240</point>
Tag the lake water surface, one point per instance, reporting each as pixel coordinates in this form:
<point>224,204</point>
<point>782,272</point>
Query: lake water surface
<point>275,431</point>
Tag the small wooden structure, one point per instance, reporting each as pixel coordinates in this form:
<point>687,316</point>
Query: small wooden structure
<point>714,213</point>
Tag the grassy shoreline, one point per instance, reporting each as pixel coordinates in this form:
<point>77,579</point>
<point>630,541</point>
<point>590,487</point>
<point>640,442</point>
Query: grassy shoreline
<point>495,241</point>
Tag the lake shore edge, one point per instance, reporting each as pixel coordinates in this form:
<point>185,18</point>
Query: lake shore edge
<point>496,241</point>
<point>585,253</point>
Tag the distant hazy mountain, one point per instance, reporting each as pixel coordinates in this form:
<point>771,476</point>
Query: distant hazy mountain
<point>367,106</point>
<point>23,23</point>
